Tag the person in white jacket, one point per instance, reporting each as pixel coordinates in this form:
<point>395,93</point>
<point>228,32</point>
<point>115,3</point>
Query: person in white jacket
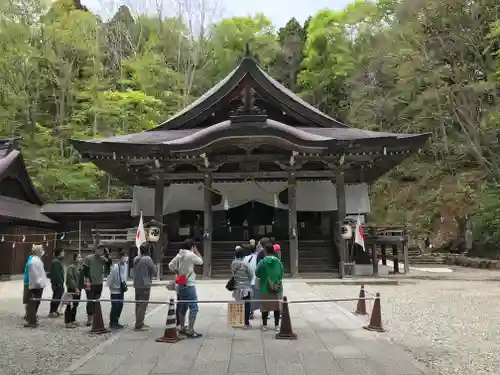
<point>117,282</point>
<point>37,279</point>
<point>251,260</point>
<point>183,267</point>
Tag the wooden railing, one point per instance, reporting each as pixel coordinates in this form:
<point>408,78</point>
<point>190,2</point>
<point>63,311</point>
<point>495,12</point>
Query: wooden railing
<point>85,242</point>
<point>104,236</point>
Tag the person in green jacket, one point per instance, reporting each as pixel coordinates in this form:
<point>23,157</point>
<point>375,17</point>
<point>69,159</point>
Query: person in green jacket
<point>270,272</point>
<point>57,281</point>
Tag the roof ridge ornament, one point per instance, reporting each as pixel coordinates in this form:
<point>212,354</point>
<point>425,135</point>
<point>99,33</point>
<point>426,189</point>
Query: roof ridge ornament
<point>248,54</point>
<point>247,111</point>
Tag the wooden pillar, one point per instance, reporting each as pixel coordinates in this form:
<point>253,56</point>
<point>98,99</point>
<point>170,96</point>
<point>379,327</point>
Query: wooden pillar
<point>341,215</point>
<point>406,246</point>
<point>207,226</point>
<point>395,257</point>
<point>374,260</point>
<point>384,255</point>
<point>158,207</point>
<point>293,231</point>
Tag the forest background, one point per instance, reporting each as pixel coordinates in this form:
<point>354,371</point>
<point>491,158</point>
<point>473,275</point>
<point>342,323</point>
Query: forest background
<point>388,65</point>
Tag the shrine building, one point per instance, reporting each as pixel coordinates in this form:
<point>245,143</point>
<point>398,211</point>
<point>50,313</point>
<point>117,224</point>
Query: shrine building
<point>250,159</point>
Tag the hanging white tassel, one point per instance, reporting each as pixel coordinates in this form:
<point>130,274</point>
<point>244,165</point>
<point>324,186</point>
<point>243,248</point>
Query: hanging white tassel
<point>47,243</point>
<point>44,237</point>
<point>276,203</point>
<point>13,244</point>
<point>226,204</point>
<point>3,238</point>
<point>62,237</point>
<point>24,238</point>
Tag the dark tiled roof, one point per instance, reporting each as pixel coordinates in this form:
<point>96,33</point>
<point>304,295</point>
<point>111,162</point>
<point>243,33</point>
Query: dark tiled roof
<point>174,137</point>
<point>12,162</point>
<point>88,207</point>
<point>248,68</point>
<point>17,209</point>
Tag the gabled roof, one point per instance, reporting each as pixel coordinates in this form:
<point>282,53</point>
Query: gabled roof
<point>249,69</point>
<point>12,208</point>
<point>197,139</point>
<point>12,165</point>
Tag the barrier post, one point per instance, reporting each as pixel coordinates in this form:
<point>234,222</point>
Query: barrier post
<point>286,331</point>
<point>170,335</point>
<point>376,317</point>
<point>98,327</point>
<point>361,306</point>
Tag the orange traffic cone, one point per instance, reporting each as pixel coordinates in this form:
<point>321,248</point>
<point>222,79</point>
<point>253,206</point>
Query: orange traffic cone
<point>286,331</point>
<point>97,321</point>
<point>361,307</point>
<point>170,335</point>
<point>376,318</point>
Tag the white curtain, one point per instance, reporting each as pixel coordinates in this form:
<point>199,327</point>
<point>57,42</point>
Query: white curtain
<point>315,196</point>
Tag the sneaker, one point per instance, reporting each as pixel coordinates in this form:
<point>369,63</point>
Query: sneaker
<point>53,315</point>
<point>263,328</point>
<point>116,326</point>
<point>247,326</point>
<point>142,328</point>
<point>277,328</point>
<point>70,325</point>
<point>28,325</point>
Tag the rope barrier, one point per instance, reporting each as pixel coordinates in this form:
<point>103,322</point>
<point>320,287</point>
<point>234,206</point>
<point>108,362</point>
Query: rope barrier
<point>154,302</point>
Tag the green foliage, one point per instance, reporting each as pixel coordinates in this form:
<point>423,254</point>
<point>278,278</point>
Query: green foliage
<point>389,65</point>
<point>486,221</point>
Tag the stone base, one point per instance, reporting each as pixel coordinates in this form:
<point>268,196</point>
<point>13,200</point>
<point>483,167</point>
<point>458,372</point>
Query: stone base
<point>363,270</point>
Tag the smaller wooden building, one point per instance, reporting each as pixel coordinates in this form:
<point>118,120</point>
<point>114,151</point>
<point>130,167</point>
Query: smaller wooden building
<point>21,222</point>
<point>79,218</point>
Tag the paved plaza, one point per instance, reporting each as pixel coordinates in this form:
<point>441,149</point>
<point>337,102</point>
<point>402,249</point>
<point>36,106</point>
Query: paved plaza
<point>331,341</point>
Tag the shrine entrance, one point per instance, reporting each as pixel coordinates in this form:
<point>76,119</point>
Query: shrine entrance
<point>250,220</point>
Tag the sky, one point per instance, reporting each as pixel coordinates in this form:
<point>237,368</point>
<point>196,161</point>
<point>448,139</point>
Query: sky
<point>279,11</point>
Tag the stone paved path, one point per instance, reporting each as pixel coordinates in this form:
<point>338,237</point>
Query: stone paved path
<point>331,341</point>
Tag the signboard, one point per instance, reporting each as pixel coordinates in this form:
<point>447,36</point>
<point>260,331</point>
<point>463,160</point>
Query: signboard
<point>236,314</point>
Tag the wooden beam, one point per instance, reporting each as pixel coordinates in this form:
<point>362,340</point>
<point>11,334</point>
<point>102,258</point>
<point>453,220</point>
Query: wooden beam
<point>207,226</point>
<point>292,224</point>
<point>341,215</point>
<point>158,206</point>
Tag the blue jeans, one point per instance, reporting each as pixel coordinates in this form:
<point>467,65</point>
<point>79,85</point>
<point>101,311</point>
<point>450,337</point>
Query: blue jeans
<point>116,308</point>
<point>187,293</point>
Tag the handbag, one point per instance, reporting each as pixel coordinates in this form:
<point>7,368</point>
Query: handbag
<point>123,284</point>
<point>231,283</point>
<point>171,285</point>
<point>182,279</point>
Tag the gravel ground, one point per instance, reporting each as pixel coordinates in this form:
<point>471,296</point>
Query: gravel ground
<point>453,326</point>
<point>50,348</point>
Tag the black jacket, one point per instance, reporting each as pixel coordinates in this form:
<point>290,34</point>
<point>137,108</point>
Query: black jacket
<point>57,272</point>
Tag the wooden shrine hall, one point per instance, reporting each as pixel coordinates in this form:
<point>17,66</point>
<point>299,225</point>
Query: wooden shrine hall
<point>250,159</point>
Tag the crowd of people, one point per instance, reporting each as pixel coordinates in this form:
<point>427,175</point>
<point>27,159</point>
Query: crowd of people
<point>87,275</point>
<point>257,274</point>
